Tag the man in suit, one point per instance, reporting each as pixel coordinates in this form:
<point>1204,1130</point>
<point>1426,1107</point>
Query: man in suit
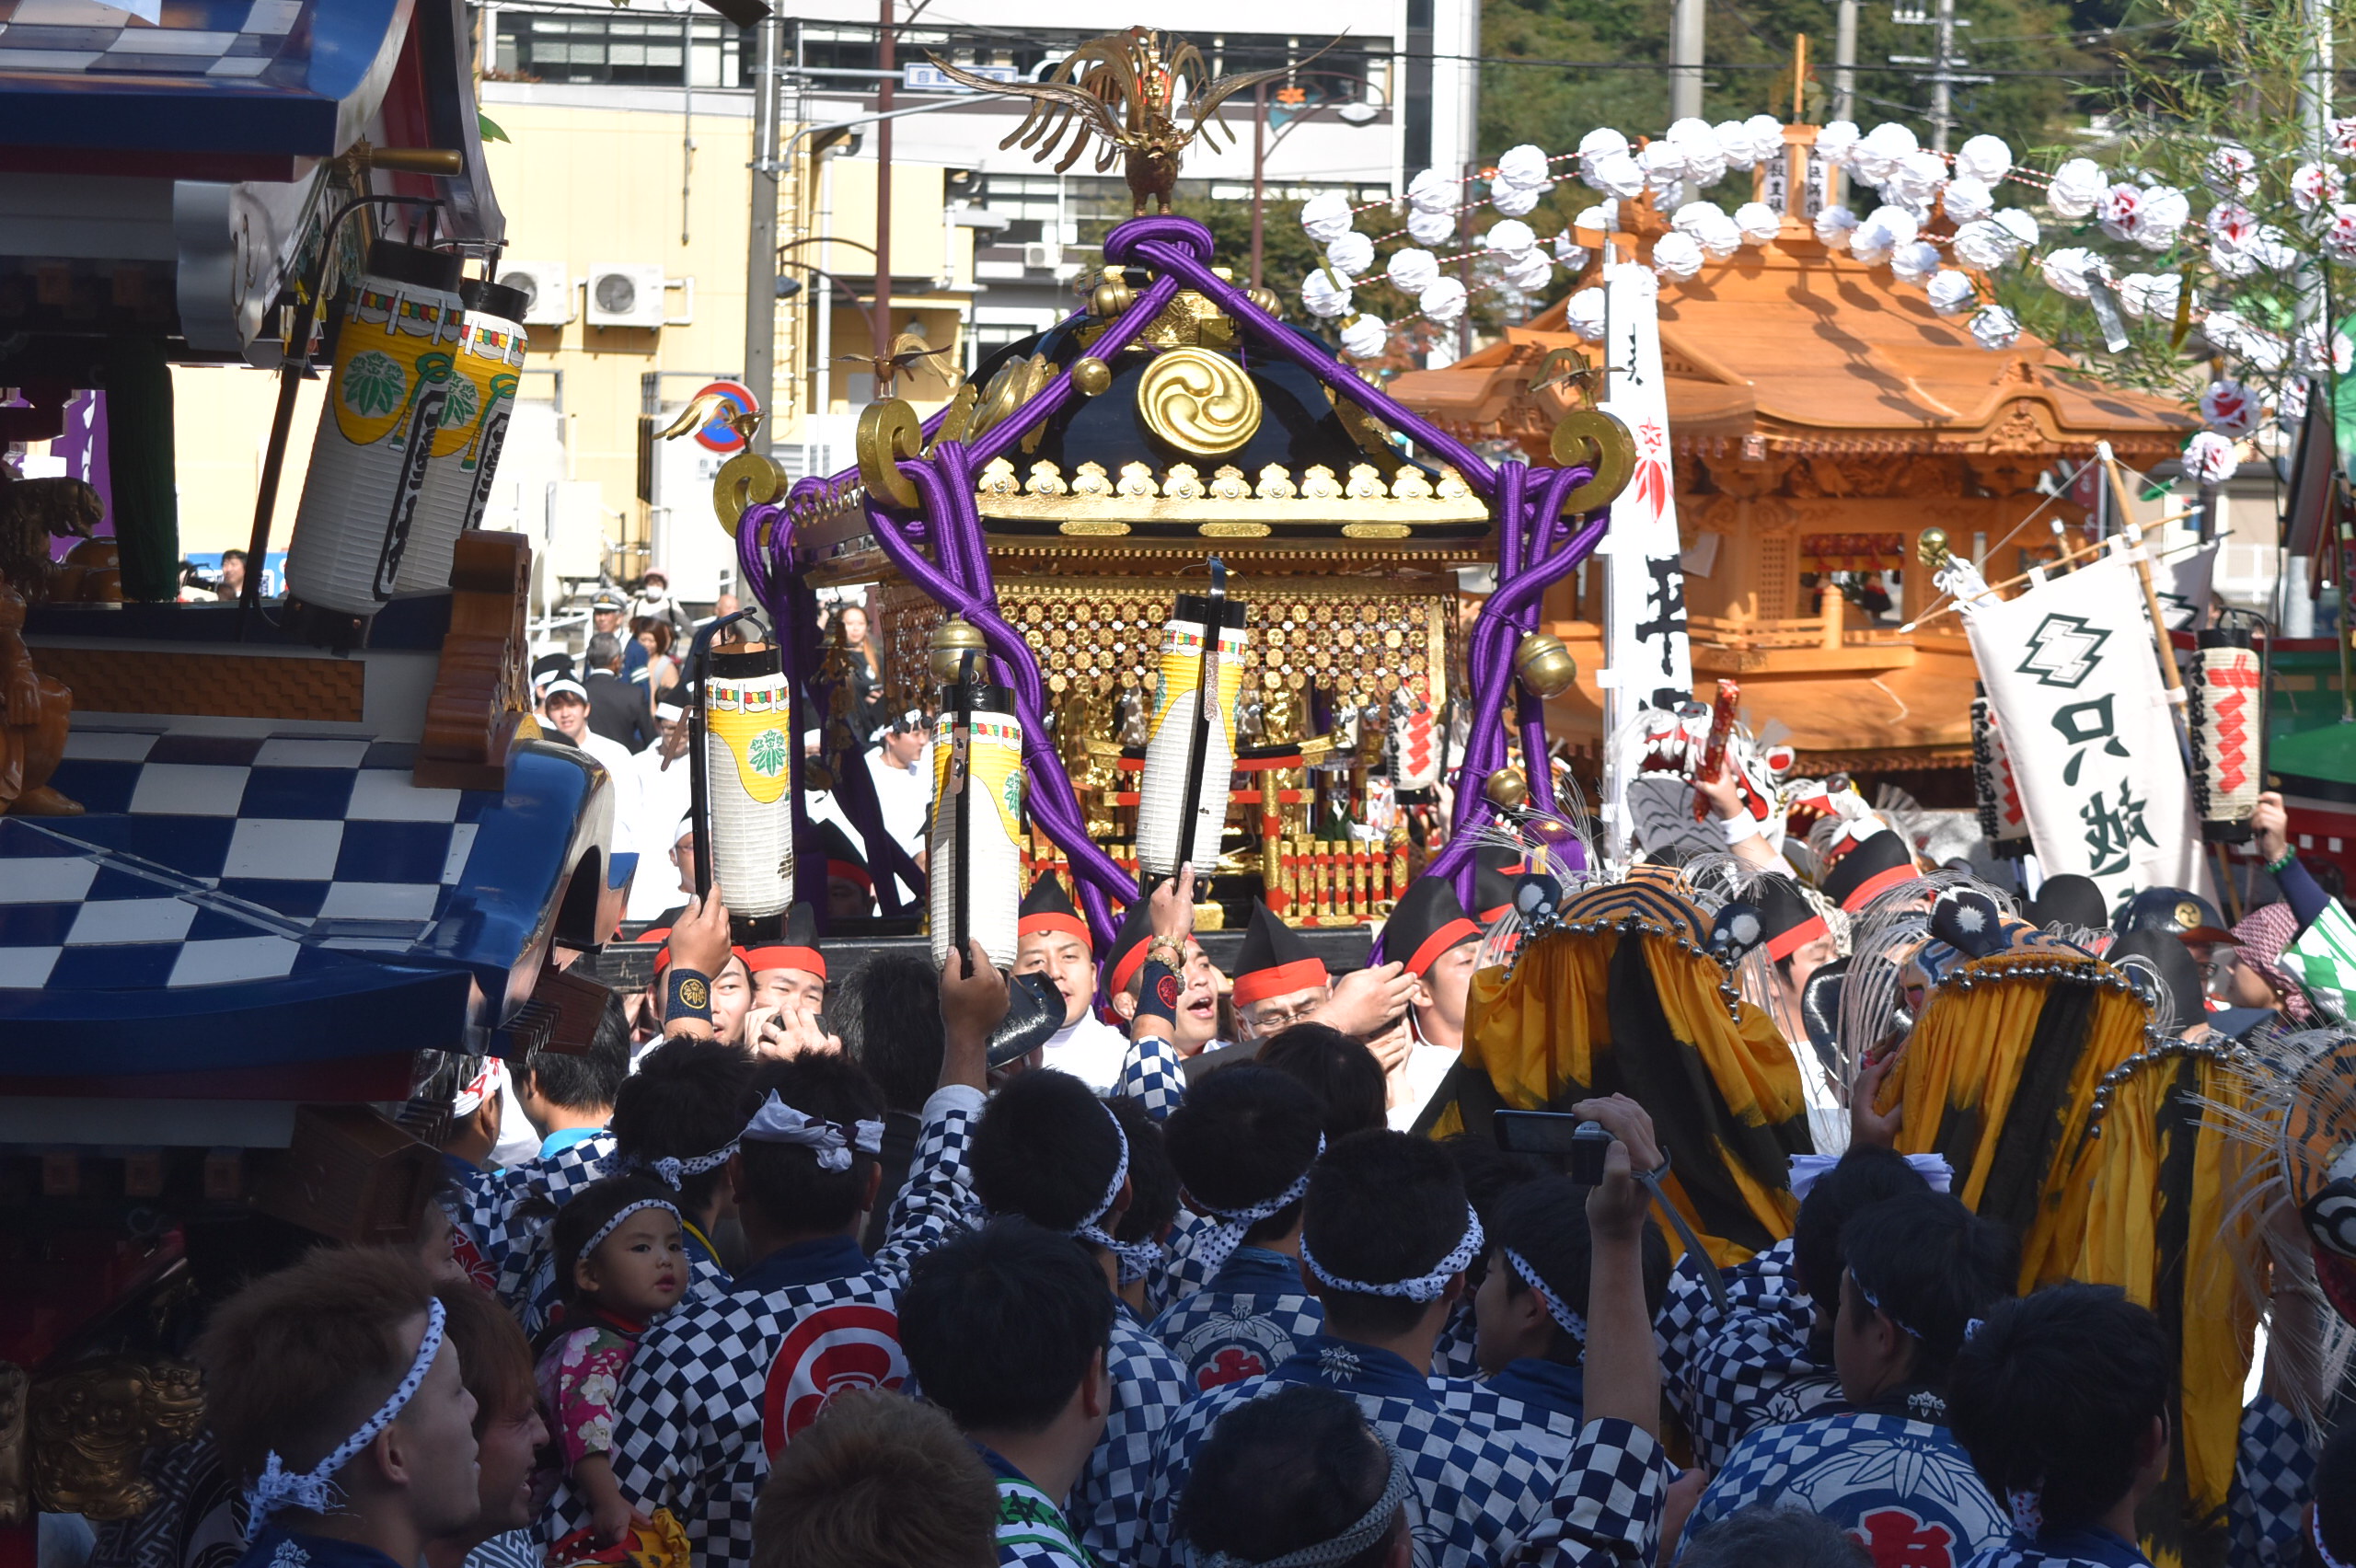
<point>618,709</point>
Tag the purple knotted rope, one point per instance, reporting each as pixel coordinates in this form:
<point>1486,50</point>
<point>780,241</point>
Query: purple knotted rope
<point>1537,548</point>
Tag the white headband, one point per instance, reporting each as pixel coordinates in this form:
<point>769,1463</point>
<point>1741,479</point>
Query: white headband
<point>274,1489</point>
<point>1369,1527</point>
<point>481,1087</point>
<point>1221,1239</point>
<point>1423,1287</point>
<point>776,1121</point>
<point>1809,1169</point>
<point>1570,1323</point>
<point>671,1170</point>
<point>1136,1258</point>
<point>626,1211</point>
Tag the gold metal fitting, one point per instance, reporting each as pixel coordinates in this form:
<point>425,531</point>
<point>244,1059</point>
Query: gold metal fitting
<point>1091,375</point>
<point>1544,665</point>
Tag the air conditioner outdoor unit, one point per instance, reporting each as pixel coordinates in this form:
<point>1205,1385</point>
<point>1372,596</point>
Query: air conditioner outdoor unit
<point>1042,258</point>
<point>548,291</point>
<point>625,296</point>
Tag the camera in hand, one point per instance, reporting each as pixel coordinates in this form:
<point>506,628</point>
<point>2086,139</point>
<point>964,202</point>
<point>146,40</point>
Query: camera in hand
<point>1556,1135</point>
<point>1589,1143</point>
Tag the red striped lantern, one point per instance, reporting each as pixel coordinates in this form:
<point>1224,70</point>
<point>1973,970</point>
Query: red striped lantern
<point>2223,691</point>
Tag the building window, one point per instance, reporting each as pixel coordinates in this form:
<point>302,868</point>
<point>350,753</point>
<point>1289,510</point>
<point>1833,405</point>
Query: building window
<point>628,50</point>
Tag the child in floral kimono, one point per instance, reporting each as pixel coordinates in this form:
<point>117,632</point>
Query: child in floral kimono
<point>622,1261</point>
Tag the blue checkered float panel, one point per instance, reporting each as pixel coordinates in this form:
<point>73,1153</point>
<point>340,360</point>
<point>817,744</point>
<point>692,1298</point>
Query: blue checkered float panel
<point>214,874</point>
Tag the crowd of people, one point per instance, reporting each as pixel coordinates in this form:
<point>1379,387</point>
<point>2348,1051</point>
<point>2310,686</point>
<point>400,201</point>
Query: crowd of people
<point>623,699</point>
<point>800,1279</point>
<point>1230,1269</point>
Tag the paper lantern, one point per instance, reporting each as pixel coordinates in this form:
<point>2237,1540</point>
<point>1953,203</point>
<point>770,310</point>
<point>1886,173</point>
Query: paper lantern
<point>474,426</point>
<point>2222,690</point>
<point>747,749</point>
<point>396,356</point>
<point>1187,745</point>
<point>976,867</point>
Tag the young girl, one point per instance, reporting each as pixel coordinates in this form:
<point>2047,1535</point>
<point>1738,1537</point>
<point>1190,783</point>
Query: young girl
<point>621,1262</point>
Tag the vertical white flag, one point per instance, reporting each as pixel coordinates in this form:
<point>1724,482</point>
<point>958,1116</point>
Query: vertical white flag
<point>2070,673</point>
<point>2182,578</point>
<point>1646,659</point>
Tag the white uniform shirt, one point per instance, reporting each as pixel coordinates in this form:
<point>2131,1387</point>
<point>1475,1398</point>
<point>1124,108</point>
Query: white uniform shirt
<point>1091,1051</point>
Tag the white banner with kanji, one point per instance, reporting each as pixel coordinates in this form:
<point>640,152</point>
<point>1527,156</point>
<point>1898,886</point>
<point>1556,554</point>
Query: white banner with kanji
<point>2071,673</point>
<point>2182,577</point>
<point>1647,658</point>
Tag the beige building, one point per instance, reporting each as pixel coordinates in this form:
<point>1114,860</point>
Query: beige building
<point>645,182</point>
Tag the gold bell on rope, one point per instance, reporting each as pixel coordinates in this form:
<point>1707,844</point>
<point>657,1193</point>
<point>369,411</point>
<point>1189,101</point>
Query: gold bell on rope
<point>1507,787</point>
<point>1544,665</point>
<point>1931,545</point>
<point>951,640</point>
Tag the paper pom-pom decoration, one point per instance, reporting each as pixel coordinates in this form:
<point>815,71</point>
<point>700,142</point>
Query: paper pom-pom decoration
<point>1352,255</point>
<point>1432,191</point>
<point>2210,458</point>
<point>1323,297</point>
<point>1364,336</point>
<point>1951,292</point>
<point>1412,272</point>
<point>1525,166</point>
<point>1442,301</point>
<point>1758,222</point>
<point>1430,228</point>
<point>1996,328</point>
<point>1676,256</point>
<point>2229,407</point>
<point>1515,201</point>
<point>2078,186</point>
<point>1325,217</point>
<point>1583,313</point>
<point>1511,236</point>
<point>1983,158</point>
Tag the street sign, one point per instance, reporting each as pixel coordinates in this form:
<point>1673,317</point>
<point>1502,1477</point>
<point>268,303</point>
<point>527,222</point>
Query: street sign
<point>717,435</point>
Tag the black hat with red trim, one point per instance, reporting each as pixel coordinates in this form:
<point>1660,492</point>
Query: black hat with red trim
<point>1047,907</point>
<point>843,859</point>
<point>1790,921</point>
<point>796,948</point>
<point>1274,961</point>
<point>1872,868</point>
<point>1428,922</point>
<point>1129,945</point>
<point>1494,871</point>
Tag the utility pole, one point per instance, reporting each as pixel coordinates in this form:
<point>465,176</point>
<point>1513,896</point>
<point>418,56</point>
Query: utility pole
<point>760,252</point>
<point>882,328</point>
<point>1685,30</point>
<point>1943,62</point>
<point>1259,169</point>
<point>1844,63</point>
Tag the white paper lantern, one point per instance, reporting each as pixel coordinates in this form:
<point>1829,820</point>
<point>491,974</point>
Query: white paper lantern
<point>1430,228</point>
<point>395,359</point>
<point>1162,803</point>
<point>1442,301</point>
<point>474,428</point>
<point>747,760</point>
<point>976,824</point>
<point>1412,270</point>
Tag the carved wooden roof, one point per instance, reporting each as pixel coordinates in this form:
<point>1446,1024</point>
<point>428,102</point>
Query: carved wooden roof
<point>1818,355</point>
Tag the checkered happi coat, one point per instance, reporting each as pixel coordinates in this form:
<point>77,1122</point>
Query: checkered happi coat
<point>1477,1492</point>
<point>1902,1488</point>
<point>1107,1504</point>
<point>507,1211</point>
<point>1150,1075</point>
<point>1605,1510</point>
<point>2273,1477</point>
<point>718,1386</point>
<point>1726,1372</point>
<point>1252,1318</point>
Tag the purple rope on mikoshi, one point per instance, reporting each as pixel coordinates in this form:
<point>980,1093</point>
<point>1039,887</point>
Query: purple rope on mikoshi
<point>1536,548</point>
